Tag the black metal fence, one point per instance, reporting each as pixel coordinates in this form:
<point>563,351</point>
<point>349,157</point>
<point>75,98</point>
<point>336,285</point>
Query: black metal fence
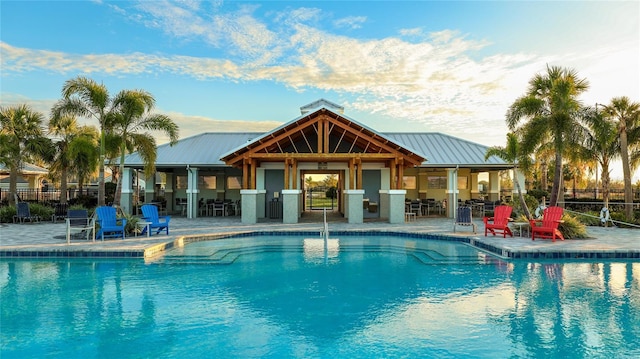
<point>45,197</point>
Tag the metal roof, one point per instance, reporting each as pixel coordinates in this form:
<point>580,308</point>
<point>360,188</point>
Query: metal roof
<point>27,168</point>
<point>206,150</point>
<point>443,150</point>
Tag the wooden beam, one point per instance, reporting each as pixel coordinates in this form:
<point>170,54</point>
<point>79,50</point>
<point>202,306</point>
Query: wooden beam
<point>359,178</point>
<point>245,175</point>
<point>352,173</point>
<point>294,171</point>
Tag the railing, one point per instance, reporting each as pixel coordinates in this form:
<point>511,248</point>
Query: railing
<point>36,195</point>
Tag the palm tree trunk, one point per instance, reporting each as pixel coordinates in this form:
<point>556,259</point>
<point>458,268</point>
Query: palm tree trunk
<point>13,185</point>
<point>63,185</point>
<point>626,173</point>
<point>605,184</point>
<point>555,190</point>
<point>523,203</point>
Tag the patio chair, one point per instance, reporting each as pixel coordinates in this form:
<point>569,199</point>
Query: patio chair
<point>464,218</point>
<point>218,207</point>
<point>499,223</point>
<point>23,213</point>
<point>78,220</point>
<point>60,211</point>
<point>547,228</point>
<point>416,207</point>
<point>110,225</point>
<point>159,223</point>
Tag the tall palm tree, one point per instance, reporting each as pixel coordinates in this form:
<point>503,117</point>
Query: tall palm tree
<point>627,116</point>
<point>21,139</point>
<point>549,110</point>
<point>130,121</point>
<point>601,145</point>
<point>512,155</point>
<point>67,132</point>
<point>85,97</point>
<point>85,154</point>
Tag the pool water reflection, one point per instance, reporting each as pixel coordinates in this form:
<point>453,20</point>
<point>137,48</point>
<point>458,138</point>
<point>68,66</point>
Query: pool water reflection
<point>287,297</point>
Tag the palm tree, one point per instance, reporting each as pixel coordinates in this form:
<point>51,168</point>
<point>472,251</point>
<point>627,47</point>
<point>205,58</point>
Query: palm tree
<point>601,145</point>
<point>85,97</point>
<point>132,115</point>
<point>85,154</point>
<point>549,108</point>
<point>627,114</point>
<point>21,139</point>
<point>512,155</point>
<point>69,135</point>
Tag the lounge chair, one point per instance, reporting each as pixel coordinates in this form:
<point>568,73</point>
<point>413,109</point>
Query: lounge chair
<point>548,226</point>
<point>464,218</point>
<point>150,214</point>
<point>23,213</point>
<point>499,223</point>
<point>60,212</point>
<point>78,220</point>
<point>110,225</point>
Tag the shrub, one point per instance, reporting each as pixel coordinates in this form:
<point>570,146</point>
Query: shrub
<point>571,227</point>
<point>7,213</point>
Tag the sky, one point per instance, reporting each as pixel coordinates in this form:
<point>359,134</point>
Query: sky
<point>396,66</point>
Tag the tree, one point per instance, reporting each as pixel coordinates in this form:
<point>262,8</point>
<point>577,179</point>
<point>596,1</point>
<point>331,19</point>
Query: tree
<point>601,145</point>
<point>67,161</point>
<point>130,116</point>
<point>627,117</point>
<point>512,155</point>
<point>548,110</point>
<point>86,98</point>
<point>21,139</point>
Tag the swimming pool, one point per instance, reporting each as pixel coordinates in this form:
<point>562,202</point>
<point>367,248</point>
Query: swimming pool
<point>362,297</point>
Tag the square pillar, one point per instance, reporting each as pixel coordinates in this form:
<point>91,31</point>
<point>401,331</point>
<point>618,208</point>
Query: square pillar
<point>126,198</point>
<point>192,192</point>
<point>290,205</point>
<point>384,203</point>
<point>353,201</point>
<point>396,205</point>
<point>452,192</point>
<point>251,205</point>
<point>494,185</point>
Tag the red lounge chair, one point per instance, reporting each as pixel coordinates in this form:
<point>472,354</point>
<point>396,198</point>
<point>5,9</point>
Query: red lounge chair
<point>548,226</point>
<point>499,223</point>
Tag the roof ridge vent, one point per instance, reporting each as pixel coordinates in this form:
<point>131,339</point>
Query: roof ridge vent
<point>321,103</point>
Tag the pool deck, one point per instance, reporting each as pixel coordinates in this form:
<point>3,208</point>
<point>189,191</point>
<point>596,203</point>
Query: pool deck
<point>47,240</point>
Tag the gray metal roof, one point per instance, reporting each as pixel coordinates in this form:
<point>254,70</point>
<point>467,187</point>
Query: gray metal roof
<point>206,149</point>
<point>445,151</point>
<point>203,150</point>
<point>27,168</point>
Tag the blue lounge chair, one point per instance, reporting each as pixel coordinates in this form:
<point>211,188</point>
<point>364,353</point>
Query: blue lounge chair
<point>23,213</point>
<point>150,214</point>
<point>464,218</point>
<point>110,225</point>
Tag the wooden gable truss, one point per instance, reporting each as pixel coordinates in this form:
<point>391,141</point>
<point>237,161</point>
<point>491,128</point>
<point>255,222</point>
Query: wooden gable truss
<point>323,136</point>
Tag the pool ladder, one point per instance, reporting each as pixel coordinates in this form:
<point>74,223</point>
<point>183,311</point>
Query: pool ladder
<point>324,233</point>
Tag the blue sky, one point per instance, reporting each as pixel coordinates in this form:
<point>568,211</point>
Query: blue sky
<point>448,66</point>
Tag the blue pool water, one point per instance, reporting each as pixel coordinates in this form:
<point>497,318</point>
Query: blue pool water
<point>362,297</point>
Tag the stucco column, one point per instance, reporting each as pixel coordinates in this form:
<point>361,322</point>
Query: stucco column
<point>396,205</point>
<point>494,185</point>
<point>192,192</point>
<point>250,205</point>
<point>518,178</point>
<point>127,192</point>
<point>384,203</point>
<point>475,192</point>
<point>353,201</point>
<point>290,205</point>
<point>452,192</point>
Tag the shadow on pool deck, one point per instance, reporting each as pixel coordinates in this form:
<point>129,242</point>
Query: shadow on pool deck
<point>47,239</point>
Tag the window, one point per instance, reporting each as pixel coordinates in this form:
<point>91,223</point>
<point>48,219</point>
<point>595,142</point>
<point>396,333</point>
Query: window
<point>436,182</point>
<point>234,182</point>
<point>207,182</point>
<point>462,182</point>
<point>181,182</point>
<point>409,182</point>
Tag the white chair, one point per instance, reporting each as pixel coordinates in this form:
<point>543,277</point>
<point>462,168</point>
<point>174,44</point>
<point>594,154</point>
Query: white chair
<point>78,220</point>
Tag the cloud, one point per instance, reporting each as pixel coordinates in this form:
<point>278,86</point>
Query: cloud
<point>351,22</point>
